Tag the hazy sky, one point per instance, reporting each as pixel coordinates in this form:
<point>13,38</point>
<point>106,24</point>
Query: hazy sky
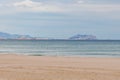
<point>61,18</point>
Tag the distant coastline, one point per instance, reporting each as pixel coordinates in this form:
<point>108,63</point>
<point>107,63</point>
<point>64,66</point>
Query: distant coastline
<point>80,37</point>
<point>58,40</point>
<point>7,36</point>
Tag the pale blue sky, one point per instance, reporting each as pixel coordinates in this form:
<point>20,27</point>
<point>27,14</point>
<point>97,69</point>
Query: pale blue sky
<point>61,18</point>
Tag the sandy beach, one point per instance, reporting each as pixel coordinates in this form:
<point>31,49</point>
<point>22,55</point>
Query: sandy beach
<point>19,67</point>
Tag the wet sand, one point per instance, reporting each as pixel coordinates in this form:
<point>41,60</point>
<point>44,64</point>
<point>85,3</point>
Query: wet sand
<point>19,67</point>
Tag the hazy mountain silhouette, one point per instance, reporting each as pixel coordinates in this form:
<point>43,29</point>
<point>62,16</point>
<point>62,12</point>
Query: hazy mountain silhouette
<point>4,35</point>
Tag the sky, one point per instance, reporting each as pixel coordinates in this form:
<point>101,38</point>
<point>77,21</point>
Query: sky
<point>61,18</point>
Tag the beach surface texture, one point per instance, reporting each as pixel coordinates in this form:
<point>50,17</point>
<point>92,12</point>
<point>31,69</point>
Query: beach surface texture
<point>19,67</point>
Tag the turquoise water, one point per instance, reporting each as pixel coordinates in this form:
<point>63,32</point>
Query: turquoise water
<point>62,48</point>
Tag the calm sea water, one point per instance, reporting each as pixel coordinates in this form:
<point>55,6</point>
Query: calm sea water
<point>62,48</point>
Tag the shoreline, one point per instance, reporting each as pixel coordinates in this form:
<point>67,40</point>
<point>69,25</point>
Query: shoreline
<point>21,67</point>
<point>79,56</point>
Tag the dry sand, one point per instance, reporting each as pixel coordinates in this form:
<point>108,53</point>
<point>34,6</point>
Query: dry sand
<point>19,67</point>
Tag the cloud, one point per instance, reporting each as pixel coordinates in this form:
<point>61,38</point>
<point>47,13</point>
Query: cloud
<point>28,5</point>
<point>75,7</point>
<point>80,2</point>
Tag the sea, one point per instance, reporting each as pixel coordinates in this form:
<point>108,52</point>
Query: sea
<point>85,48</point>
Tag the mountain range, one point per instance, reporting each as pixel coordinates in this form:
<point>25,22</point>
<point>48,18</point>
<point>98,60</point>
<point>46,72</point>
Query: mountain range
<point>83,37</point>
<point>4,35</point>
